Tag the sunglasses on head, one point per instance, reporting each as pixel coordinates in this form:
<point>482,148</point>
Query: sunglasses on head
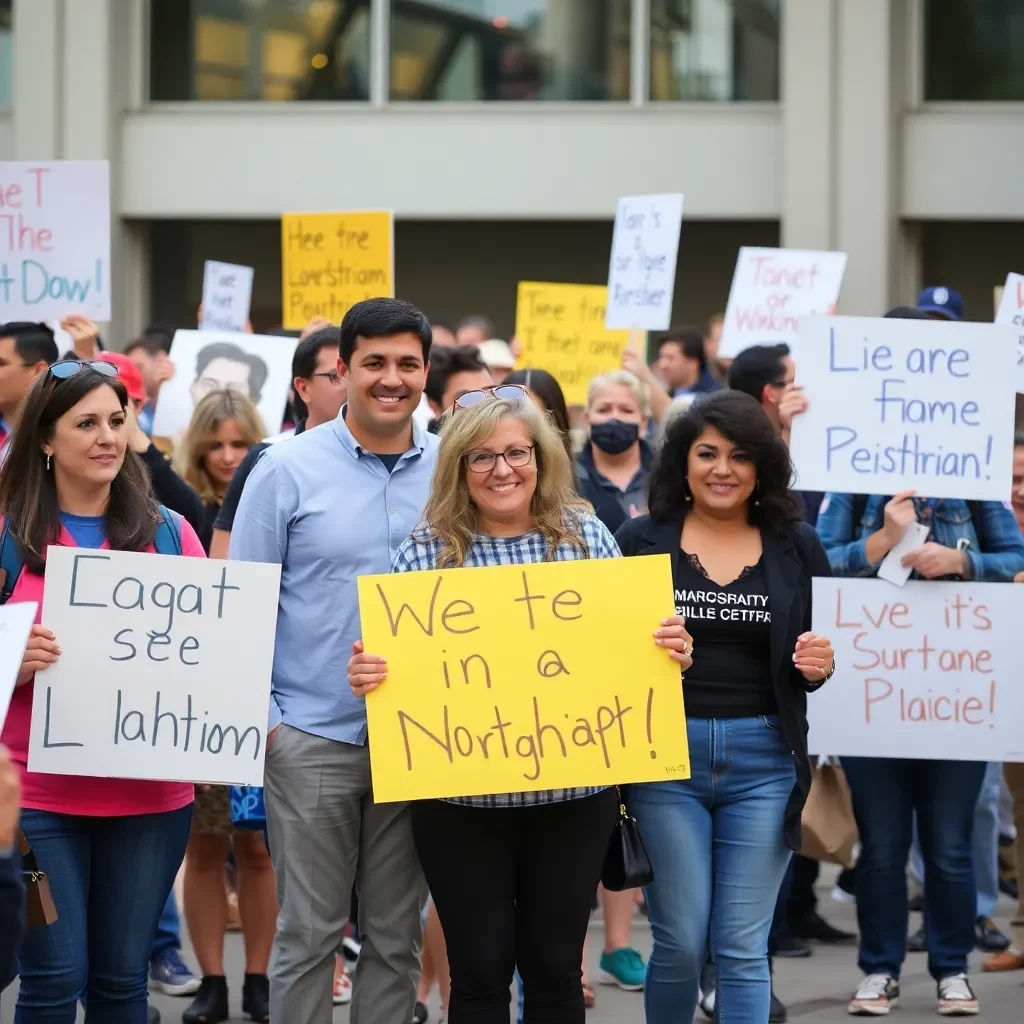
<point>502,392</point>
<point>65,368</point>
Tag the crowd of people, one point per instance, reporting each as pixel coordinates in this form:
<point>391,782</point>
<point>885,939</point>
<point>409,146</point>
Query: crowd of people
<point>408,446</point>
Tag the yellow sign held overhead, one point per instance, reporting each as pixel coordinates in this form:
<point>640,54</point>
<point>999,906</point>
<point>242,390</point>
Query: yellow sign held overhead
<point>516,678</point>
<point>331,261</point>
<point>561,328</point>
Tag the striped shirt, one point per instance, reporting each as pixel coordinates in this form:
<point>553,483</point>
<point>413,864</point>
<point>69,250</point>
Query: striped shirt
<point>423,551</point>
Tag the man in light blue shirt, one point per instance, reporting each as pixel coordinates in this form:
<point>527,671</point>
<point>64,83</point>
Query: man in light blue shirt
<point>330,505</point>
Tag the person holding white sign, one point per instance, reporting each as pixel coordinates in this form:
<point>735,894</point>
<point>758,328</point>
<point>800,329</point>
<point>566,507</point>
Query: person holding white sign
<point>110,847</point>
<point>968,540</point>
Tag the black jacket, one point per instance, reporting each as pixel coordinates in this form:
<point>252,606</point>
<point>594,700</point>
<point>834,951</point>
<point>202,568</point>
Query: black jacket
<point>790,561</point>
<point>12,917</point>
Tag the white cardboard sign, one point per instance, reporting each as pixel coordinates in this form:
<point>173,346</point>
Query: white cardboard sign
<point>256,365</point>
<point>165,667</point>
<point>898,404</point>
<point>54,239</point>
<point>642,270</point>
<point>928,671</point>
<point>772,289</point>
<point>1011,312</point>
<point>15,626</point>
<point>227,296</point>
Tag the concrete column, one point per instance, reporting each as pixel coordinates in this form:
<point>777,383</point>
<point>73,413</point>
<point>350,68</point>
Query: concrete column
<point>870,99</point>
<point>38,78</point>
<point>809,29</point>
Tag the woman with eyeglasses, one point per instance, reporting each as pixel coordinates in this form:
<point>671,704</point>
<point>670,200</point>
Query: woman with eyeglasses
<point>513,875</point>
<point>109,847</point>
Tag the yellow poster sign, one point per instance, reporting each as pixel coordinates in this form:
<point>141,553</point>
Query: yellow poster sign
<point>522,677</point>
<point>331,261</point>
<point>561,328</point>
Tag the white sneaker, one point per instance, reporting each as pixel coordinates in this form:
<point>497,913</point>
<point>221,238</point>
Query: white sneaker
<point>956,997</point>
<point>877,995</point>
<point>342,984</point>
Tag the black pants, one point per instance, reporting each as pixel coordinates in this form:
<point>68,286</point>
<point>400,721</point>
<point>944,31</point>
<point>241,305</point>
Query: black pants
<point>515,886</point>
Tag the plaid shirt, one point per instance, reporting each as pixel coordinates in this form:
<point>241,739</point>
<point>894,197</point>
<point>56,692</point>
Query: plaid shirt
<point>422,551</point>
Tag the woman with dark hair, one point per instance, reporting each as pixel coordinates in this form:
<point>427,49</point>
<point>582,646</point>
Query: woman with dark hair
<point>720,841</point>
<point>109,847</point>
<point>547,393</point>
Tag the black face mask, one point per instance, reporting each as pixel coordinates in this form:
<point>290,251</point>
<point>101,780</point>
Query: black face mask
<point>614,437</point>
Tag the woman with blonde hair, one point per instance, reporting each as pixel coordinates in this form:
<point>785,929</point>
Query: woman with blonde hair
<point>512,875</point>
<point>224,426</point>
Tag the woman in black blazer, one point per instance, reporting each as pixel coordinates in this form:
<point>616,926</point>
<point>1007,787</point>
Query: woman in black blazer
<point>720,841</point>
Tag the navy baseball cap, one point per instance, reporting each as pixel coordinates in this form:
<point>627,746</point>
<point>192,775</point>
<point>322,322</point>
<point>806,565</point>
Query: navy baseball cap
<point>942,302</point>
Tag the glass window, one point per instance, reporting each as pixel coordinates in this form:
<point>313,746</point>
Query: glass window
<point>260,50</point>
<point>6,54</point>
<point>510,49</point>
<point>973,50</point>
<point>715,50</point>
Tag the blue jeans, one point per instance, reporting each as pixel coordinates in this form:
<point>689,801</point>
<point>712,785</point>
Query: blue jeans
<point>168,929</point>
<point>719,855</point>
<point>110,878</point>
<point>985,843</point>
<point>887,792</point>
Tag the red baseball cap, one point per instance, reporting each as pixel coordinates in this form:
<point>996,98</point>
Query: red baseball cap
<point>128,374</point>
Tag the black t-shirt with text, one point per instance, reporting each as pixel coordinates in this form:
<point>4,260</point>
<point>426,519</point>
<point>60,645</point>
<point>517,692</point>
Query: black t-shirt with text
<point>731,629</point>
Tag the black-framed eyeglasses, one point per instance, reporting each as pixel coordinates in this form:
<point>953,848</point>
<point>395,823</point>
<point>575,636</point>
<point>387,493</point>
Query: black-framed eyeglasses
<point>65,368</point>
<point>515,458</point>
<point>332,375</point>
<point>503,392</point>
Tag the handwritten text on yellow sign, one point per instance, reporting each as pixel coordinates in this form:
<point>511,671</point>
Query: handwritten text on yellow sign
<point>561,328</point>
<point>330,261</point>
<point>522,677</point>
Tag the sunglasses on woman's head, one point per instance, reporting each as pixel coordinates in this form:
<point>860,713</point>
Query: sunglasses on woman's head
<point>65,368</point>
<point>502,392</point>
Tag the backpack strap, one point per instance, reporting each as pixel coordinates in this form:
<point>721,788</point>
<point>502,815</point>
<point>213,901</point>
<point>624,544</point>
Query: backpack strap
<point>860,504</point>
<point>977,511</point>
<point>168,534</point>
<point>11,563</point>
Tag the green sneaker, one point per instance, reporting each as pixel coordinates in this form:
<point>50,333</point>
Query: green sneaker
<point>625,968</point>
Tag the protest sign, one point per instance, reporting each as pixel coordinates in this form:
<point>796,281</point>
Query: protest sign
<point>772,289</point>
<point>164,671</point>
<point>561,328</point>
<point>642,270</point>
<point>522,677</point>
<point>255,365</point>
<point>15,626</point>
<point>227,295</point>
<point>331,261</point>
<point>927,671</point>
<point>54,239</point>
<point>899,404</point>
<point>1011,312</point>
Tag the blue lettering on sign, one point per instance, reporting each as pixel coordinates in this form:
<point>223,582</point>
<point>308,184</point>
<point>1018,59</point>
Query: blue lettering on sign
<point>897,403</point>
<point>38,284</point>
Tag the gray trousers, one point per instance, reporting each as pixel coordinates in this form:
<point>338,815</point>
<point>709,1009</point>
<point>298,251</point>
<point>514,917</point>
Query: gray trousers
<point>326,833</point>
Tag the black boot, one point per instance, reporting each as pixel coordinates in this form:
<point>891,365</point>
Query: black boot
<point>777,1013</point>
<point>256,997</point>
<point>210,1005</point>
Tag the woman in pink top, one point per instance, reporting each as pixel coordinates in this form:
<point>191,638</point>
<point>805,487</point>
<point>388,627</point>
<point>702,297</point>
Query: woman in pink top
<point>110,847</point>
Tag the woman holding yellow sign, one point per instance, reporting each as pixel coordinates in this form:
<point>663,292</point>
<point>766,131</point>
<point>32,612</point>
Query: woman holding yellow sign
<point>513,875</point>
<point>720,841</point>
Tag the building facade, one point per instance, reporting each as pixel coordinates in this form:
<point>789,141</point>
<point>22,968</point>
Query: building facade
<point>501,132</point>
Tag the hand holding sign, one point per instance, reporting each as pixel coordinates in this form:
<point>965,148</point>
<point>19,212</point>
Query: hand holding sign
<point>673,637</point>
<point>41,651</point>
<point>899,514</point>
<point>813,657</point>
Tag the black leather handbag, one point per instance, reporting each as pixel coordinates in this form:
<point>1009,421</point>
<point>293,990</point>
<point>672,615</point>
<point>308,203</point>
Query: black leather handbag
<point>626,864</point>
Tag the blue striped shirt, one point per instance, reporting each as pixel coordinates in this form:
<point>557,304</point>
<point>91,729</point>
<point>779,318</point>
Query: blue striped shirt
<point>423,551</point>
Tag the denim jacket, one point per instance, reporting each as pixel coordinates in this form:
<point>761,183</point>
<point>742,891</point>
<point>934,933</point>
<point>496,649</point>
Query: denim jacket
<point>844,540</point>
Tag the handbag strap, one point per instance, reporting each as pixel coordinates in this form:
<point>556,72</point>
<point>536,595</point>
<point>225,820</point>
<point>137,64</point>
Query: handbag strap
<point>28,858</point>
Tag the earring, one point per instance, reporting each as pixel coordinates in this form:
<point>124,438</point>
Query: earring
<point>757,490</point>
<point>47,463</point>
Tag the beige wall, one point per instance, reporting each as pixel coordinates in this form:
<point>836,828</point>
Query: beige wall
<point>451,269</point>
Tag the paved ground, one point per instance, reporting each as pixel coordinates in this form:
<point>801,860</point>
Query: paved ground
<point>815,990</point>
